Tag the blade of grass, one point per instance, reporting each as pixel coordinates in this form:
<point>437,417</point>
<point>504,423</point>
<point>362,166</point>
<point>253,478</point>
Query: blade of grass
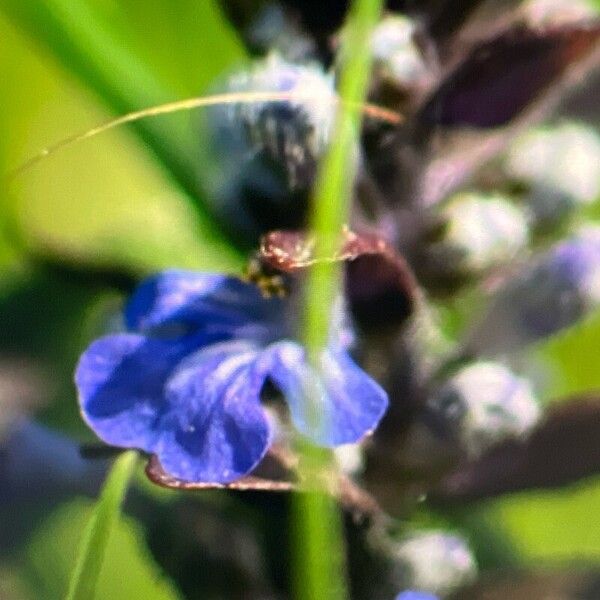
<point>101,58</point>
<point>82,42</point>
<point>317,524</point>
<point>96,535</point>
<point>331,203</point>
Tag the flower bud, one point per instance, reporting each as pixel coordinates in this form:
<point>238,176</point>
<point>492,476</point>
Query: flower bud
<point>397,58</point>
<point>435,561</point>
<point>480,231</point>
<point>560,288</point>
<point>559,168</point>
<point>484,404</point>
<point>263,153</point>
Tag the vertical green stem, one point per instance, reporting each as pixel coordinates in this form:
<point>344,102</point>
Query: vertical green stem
<point>317,524</point>
<point>96,535</point>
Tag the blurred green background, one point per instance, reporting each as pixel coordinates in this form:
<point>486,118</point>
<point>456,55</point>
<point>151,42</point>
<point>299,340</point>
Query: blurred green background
<point>110,202</point>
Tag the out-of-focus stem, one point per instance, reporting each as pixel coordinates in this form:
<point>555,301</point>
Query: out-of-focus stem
<point>317,525</point>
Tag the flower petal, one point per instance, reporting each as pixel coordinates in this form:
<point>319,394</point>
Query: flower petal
<point>219,304</point>
<point>217,430</point>
<point>352,403</point>
<point>120,380</point>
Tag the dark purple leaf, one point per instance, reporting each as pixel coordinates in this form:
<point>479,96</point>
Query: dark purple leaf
<point>499,78</point>
<point>562,450</point>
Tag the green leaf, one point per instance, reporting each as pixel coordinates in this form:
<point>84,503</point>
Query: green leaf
<point>106,201</point>
<point>551,526</point>
<point>99,52</point>
<point>129,570</point>
<point>187,43</point>
<point>333,193</point>
<point>570,360</point>
<point>530,529</point>
<point>97,532</point>
<point>87,46</point>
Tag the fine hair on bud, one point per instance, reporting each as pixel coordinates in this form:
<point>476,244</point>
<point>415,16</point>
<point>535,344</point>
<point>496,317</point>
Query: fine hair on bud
<point>264,154</point>
<point>483,404</point>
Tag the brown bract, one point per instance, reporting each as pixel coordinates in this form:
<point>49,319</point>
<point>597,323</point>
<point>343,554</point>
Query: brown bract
<point>380,286</point>
<point>276,473</point>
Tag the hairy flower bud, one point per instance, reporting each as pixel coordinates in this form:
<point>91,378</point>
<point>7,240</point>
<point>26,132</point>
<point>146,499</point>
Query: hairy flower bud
<point>560,288</point>
<point>397,58</point>
<point>480,232</point>
<point>559,168</point>
<point>265,152</point>
<point>435,561</point>
<point>483,404</point>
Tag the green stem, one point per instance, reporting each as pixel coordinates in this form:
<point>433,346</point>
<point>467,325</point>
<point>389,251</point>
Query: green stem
<point>332,201</point>
<point>317,524</point>
<point>96,535</point>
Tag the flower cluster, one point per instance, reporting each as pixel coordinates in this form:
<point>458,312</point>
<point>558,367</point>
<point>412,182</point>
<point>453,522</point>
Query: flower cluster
<point>210,372</point>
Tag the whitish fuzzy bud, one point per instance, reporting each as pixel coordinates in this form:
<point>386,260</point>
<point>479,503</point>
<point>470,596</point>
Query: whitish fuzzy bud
<point>294,132</point>
<point>482,231</point>
<point>435,561</point>
<point>484,404</point>
<point>396,56</point>
<point>265,153</point>
<point>560,167</point>
<point>554,292</point>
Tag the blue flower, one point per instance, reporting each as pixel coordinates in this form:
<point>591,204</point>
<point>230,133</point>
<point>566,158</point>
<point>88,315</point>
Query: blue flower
<point>412,595</point>
<point>185,382</point>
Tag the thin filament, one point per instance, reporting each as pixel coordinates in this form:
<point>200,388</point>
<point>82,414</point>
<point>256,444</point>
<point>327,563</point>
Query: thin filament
<point>376,112</point>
